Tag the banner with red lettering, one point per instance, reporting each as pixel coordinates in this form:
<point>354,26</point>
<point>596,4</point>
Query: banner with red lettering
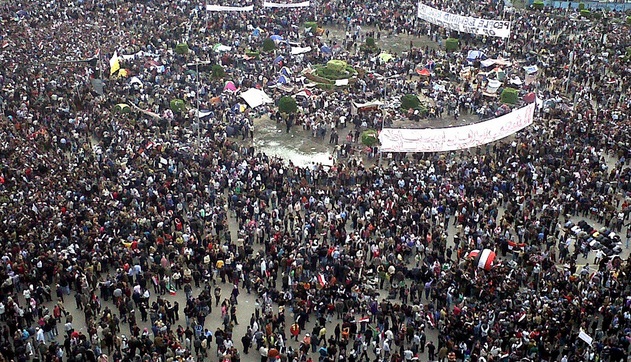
<point>456,138</point>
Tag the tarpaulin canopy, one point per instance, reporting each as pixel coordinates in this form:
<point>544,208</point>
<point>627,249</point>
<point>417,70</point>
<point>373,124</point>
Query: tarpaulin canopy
<point>229,86</point>
<point>300,50</point>
<point>282,80</point>
<point>122,108</point>
<point>531,69</point>
<point>491,62</point>
<point>530,97</point>
<point>385,57</point>
<point>493,86</point>
<point>256,97</point>
<point>135,80</point>
<point>220,48</point>
<point>279,59</point>
<point>423,72</point>
<point>474,54</point>
<point>326,50</point>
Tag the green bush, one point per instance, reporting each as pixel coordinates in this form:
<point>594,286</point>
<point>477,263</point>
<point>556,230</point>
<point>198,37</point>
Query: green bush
<point>581,6</point>
<point>335,69</point>
<point>539,5</point>
<point>628,20</point>
<point>585,13</point>
<point>218,72</point>
<point>312,26</point>
<point>287,105</point>
<point>509,96</point>
<point>268,45</point>
<point>370,137</point>
<point>451,44</point>
<point>410,101</point>
<point>369,46</point>
<point>253,54</point>
<point>336,65</point>
<point>597,15</point>
<point>177,105</point>
<point>181,48</point>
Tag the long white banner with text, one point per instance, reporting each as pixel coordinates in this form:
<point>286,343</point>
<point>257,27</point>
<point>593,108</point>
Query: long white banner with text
<point>456,138</point>
<point>229,8</point>
<point>269,4</point>
<point>464,24</point>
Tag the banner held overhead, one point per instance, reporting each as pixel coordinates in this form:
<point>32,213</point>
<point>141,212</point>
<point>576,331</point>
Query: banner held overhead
<point>456,138</point>
<point>269,4</point>
<point>229,8</point>
<point>464,24</point>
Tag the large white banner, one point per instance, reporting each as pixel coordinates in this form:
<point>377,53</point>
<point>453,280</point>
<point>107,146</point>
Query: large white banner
<point>465,24</point>
<point>269,4</point>
<point>455,138</point>
<point>229,8</point>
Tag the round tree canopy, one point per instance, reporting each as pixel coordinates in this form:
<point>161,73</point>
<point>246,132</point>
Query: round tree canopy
<point>287,105</point>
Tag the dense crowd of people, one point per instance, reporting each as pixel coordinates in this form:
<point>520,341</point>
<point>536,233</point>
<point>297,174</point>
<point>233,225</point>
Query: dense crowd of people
<point>109,213</point>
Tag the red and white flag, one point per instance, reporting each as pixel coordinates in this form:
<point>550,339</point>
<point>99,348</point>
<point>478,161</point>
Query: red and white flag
<point>321,279</point>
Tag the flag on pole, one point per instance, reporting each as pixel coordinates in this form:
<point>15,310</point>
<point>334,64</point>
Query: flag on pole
<point>115,64</point>
<point>321,279</point>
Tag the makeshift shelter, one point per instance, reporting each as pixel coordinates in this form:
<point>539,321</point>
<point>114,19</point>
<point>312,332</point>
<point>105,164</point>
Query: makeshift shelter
<point>515,81</point>
<point>361,107</point>
<point>385,57</point>
<point>326,50</point>
<point>530,97</point>
<point>423,72</point>
<point>474,55</point>
<point>220,48</point>
<point>256,97</point>
<point>135,80</point>
<point>282,80</point>
<point>285,71</point>
<point>122,108</point>
<point>493,86</point>
<point>229,86</point>
<point>300,50</point>
<point>279,59</point>
<point>531,69</point>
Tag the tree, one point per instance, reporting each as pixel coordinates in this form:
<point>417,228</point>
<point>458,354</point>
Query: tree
<point>410,101</point>
<point>181,48</point>
<point>177,105</point>
<point>268,45</point>
<point>287,105</point>
<point>509,96</point>
<point>312,26</point>
<point>370,46</point>
<point>218,72</point>
<point>451,44</point>
<point>370,137</point>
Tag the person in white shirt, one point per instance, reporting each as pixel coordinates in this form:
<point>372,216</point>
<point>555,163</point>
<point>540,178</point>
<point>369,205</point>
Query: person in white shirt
<point>39,336</point>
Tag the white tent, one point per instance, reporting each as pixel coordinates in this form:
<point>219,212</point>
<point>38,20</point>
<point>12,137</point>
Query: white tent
<point>255,97</point>
<point>493,85</point>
